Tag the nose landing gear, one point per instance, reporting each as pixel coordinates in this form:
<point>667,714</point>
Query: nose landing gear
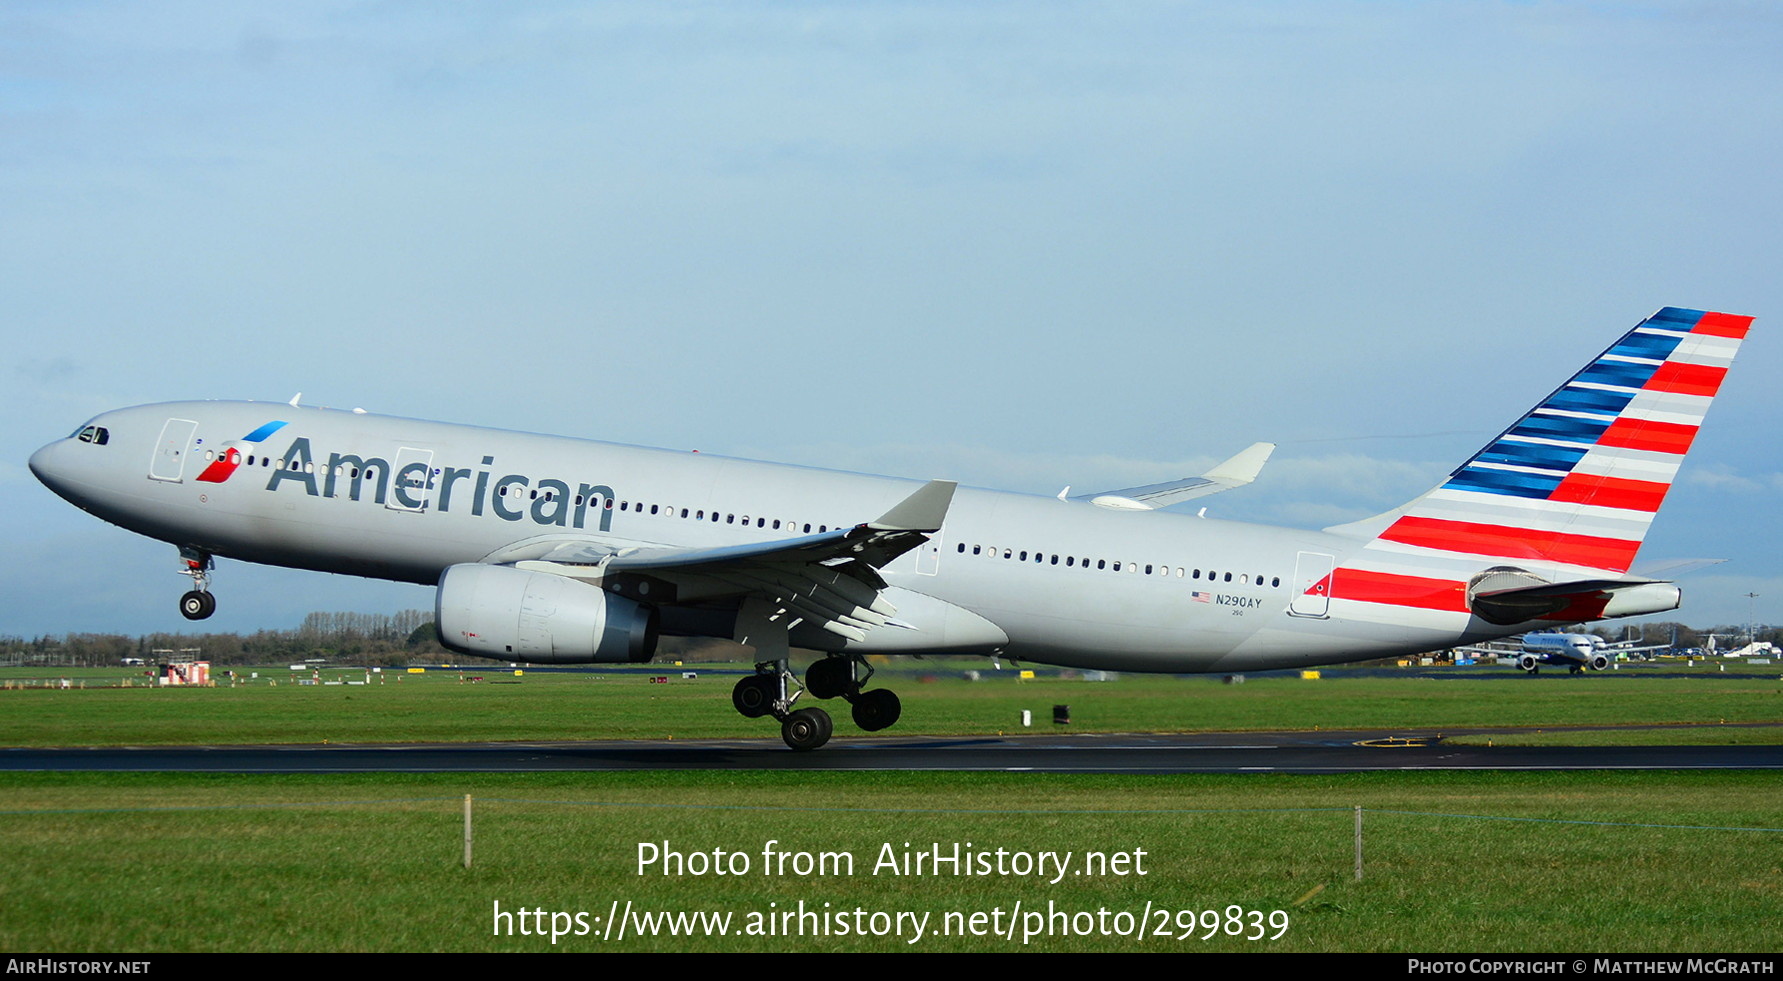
<point>197,603</point>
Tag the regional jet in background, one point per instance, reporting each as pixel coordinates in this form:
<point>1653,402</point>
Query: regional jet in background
<point>1577,652</point>
<point>555,550</point>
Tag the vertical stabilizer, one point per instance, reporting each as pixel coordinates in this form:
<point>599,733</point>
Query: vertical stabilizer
<point>1567,492</point>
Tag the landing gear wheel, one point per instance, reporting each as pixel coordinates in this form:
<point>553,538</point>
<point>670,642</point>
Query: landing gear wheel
<point>197,604</point>
<point>806,729</point>
<point>877,709</point>
<point>754,695</point>
<point>830,677</point>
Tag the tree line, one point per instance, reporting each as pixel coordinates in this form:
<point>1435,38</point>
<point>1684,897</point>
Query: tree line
<point>392,639</point>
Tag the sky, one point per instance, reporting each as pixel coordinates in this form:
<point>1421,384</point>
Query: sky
<point>1022,246</point>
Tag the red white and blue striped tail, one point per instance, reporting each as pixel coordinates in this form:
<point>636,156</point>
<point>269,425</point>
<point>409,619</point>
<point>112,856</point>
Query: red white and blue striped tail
<point>1568,492</point>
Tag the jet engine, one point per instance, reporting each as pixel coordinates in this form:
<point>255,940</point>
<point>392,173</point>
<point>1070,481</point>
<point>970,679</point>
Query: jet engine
<point>510,614</point>
<point>1528,662</point>
<point>1599,662</point>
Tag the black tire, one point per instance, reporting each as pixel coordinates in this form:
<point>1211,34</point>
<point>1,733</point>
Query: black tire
<point>877,709</point>
<point>197,605</point>
<point>806,729</point>
<point>830,677</point>
<point>754,696</point>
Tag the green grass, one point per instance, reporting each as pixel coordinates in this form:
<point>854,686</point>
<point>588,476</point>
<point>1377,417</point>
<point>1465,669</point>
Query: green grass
<point>370,862</point>
<point>138,862</point>
<point>436,707</point>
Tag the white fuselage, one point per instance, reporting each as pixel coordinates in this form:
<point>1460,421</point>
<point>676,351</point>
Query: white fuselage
<point>1063,582</point>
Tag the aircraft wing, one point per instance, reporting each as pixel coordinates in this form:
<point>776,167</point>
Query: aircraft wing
<point>830,580</point>
<point>1234,472</point>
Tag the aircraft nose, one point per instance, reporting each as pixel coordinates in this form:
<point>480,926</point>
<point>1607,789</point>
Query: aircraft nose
<point>48,466</point>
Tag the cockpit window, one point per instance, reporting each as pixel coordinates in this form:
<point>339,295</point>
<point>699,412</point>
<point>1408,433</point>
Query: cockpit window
<point>94,434</point>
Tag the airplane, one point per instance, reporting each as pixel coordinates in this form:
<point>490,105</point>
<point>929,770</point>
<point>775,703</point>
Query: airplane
<point>554,550</point>
<point>1577,652</point>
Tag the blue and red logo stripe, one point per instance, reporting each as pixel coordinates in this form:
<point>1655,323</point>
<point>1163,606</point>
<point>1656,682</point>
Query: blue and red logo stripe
<point>230,458</point>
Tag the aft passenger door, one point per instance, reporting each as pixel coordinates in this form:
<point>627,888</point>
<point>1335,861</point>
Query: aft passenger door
<point>1312,585</point>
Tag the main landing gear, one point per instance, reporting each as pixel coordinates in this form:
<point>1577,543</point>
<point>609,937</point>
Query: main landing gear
<point>767,692</point>
<point>772,690</point>
<point>839,675</point>
<point>198,603</point>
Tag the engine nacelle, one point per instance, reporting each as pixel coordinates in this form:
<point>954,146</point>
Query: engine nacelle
<point>1599,662</point>
<point>512,615</point>
<point>1529,662</point>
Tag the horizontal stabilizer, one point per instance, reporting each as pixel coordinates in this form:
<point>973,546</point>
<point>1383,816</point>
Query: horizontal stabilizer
<point>1585,599</point>
<point>1234,472</point>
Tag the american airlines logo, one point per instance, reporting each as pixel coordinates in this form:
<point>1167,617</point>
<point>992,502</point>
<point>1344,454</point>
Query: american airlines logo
<point>418,486</point>
<point>224,466</point>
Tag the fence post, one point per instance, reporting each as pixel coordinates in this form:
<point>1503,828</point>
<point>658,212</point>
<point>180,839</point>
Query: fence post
<point>467,831</point>
<point>1358,841</point>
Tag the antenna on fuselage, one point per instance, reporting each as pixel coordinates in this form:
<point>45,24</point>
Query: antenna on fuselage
<point>294,399</point>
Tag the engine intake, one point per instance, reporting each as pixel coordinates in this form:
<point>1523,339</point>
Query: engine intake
<point>509,614</point>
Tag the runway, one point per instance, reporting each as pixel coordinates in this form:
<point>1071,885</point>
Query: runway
<point>1271,752</point>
